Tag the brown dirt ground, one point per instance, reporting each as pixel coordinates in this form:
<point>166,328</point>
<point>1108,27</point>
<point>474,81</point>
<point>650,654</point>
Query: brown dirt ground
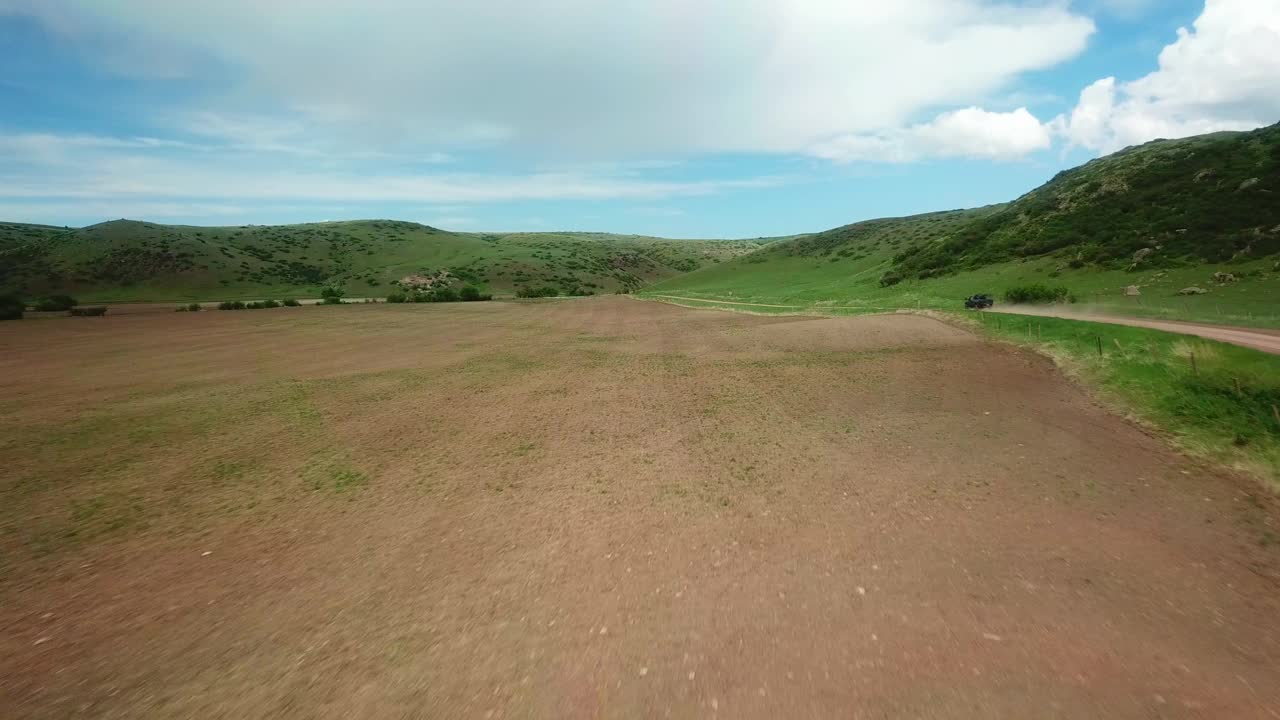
<point>604,508</point>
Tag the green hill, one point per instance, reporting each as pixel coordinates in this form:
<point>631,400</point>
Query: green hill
<point>129,260</point>
<point>1168,203</point>
<point>1162,216</point>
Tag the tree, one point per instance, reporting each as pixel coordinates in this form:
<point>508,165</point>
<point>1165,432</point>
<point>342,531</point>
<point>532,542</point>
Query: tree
<point>331,296</point>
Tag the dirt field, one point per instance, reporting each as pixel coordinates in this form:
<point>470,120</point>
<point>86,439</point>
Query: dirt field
<point>603,508</point>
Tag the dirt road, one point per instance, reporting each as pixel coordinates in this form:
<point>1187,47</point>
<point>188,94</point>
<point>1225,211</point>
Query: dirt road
<point>1256,338</point>
<point>604,508</point>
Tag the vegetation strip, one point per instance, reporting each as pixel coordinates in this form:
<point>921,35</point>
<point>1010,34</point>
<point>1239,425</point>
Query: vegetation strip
<point>1216,400</point>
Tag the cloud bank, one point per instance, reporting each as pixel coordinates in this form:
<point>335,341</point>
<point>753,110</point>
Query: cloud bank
<point>352,102</point>
<point>1221,74</point>
<point>616,79</point>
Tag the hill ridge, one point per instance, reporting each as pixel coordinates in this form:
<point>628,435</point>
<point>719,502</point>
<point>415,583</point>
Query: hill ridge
<point>138,259</point>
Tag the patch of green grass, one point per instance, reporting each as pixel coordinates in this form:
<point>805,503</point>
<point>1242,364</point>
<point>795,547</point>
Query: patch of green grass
<point>853,287</point>
<point>1216,400</point>
<point>326,473</point>
<point>525,449</point>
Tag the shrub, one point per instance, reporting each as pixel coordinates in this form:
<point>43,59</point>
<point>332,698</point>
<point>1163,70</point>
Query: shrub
<point>11,307</point>
<point>397,297</point>
<point>1033,294</point>
<point>56,303</point>
<point>95,311</point>
<point>890,279</point>
<point>270,304</point>
<point>290,302</point>
<point>445,294</point>
<point>331,296</point>
<point>470,293</point>
<point>231,305</point>
<point>194,307</point>
<point>255,305</point>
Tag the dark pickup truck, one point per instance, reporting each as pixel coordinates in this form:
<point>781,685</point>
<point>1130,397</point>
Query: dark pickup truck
<point>978,302</point>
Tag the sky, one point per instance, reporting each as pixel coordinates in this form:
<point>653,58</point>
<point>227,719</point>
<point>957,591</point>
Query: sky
<point>679,118</point>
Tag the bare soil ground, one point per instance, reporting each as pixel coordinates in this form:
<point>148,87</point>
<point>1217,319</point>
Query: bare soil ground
<point>604,508</point>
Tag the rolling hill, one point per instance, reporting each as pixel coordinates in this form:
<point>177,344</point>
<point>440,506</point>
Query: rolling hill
<point>1162,216</point>
<point>130,260</point>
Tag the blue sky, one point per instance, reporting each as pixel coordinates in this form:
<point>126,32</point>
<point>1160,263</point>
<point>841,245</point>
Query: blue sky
<point>683,118</point>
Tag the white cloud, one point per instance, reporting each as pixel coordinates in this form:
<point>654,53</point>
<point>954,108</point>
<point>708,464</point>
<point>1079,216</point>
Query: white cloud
<point>969,133</point>
<point>615,80</point>
<point>99,168</point>
<point>1222,74</point>
<point>59,211</point>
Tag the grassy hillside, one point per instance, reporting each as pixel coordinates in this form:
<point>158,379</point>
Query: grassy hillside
<point>129,260</point>
<point>1168,203</point>
<point>1163,216</point>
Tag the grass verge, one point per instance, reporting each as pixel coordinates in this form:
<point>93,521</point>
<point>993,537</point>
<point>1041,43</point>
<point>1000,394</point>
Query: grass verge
<point>1215,400</point>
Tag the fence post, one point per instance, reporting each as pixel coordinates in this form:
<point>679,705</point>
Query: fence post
<point>1194,369</point>
<point>1099,338</point>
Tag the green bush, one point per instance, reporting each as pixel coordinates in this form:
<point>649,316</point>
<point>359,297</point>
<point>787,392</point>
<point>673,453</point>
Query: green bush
<point>11,307</point>
<point>445,294</point>
<point>469,293</point>
<point>194,307</point>
<point>56,303</point>
<point>1037,294</point>
<point>290,302</point>
<point>270,304</point>
<point>397,297</point>
<point>890,279</point>
<point>96,311</point>
<point>255,305</point>
<point>231,305</point>
<point>331,296</point>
